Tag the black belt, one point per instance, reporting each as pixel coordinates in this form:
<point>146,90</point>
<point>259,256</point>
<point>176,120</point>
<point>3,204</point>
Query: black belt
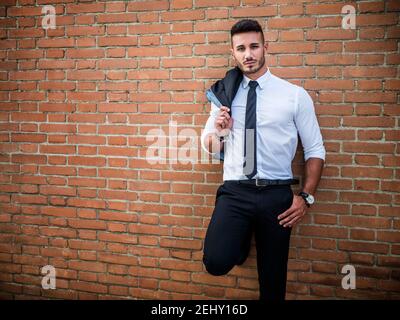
<point>266,182</point>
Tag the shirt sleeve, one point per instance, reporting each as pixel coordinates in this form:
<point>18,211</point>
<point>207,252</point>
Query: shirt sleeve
<point>209,127</point>
<point>308,127</point>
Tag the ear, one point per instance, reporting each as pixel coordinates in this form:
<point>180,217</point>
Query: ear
<point>266,45</point>
<point>233,57</point>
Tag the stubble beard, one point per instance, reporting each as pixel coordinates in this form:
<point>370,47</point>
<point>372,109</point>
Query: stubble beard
<point>254,69</point>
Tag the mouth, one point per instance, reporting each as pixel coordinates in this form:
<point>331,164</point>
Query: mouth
<point>248,63</point>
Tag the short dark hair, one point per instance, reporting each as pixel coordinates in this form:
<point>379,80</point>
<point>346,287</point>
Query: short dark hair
<point>246,25</point>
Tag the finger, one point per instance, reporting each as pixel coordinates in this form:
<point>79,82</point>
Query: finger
<point>222,117</point>
<point>219,126</point>
<point>225,115</point>
<point>296,205</point>
<point>221,120</point>
<point>289,218</point>
<point>287,212</point>
<point>223,108</point>
<point>292,222</point>
<point>294,217</point>
<point>223,111</point>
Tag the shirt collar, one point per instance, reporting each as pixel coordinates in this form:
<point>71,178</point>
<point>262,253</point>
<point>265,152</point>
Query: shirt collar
<point>262,81</point>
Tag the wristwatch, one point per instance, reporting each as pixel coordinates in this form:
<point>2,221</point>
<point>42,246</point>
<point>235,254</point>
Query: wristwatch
<point>308,198</point>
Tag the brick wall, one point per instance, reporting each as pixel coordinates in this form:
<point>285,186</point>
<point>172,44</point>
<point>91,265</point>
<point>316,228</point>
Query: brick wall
<point>77,103</point>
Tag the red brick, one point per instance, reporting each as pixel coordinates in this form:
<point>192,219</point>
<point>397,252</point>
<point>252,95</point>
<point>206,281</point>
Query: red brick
<point>77,191</point>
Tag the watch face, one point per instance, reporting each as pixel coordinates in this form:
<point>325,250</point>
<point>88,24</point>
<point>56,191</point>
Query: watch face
<point>310,199</point>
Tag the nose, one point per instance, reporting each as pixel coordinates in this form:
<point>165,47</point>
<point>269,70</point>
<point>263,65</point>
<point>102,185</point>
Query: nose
<point>247,54</point>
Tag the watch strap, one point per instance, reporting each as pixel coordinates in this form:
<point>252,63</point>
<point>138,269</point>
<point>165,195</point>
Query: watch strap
<point>304,195</point>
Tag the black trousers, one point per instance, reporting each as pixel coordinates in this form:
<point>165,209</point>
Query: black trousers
<point>239,210</point>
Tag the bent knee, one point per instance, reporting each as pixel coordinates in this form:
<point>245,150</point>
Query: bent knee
<point>217,267</point>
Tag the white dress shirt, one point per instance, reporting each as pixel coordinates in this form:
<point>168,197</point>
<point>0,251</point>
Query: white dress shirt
<point>283,111</point>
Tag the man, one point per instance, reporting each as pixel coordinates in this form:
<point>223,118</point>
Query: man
<point>259,134</point>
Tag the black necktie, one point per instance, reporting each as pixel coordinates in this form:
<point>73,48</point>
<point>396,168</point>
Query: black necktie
<point>250,134</point>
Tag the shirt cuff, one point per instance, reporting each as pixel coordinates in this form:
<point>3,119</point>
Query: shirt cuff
<point>320,153</point>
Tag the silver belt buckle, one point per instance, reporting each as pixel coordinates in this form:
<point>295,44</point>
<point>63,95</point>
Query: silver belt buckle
<point>258,185</point>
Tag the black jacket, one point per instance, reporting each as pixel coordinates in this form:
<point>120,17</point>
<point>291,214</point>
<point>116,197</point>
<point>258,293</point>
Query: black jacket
<point>224,91</point>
